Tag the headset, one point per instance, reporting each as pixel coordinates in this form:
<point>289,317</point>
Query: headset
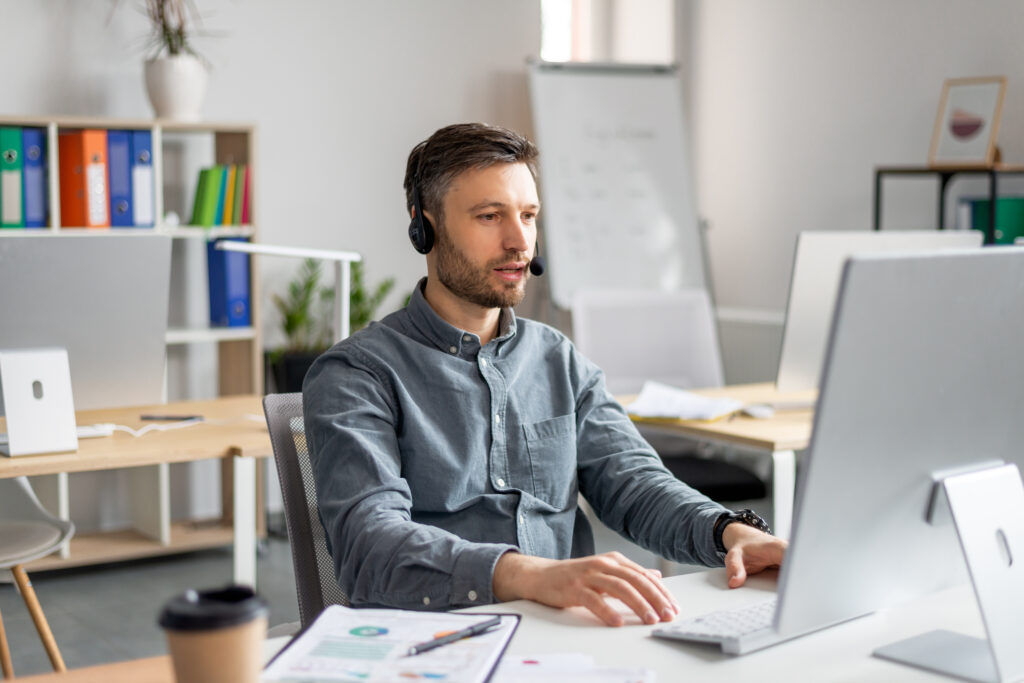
<point>421,231</point>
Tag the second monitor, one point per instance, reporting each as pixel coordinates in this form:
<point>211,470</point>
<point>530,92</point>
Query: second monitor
<point>815,283</point>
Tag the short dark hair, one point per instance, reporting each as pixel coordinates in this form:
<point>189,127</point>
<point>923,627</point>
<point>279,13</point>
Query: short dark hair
<point>435,162</point>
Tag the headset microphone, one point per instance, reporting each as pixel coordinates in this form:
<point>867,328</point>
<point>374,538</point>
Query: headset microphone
<point>537,262</point>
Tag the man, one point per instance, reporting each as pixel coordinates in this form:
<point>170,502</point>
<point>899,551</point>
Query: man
<point>450,440</point>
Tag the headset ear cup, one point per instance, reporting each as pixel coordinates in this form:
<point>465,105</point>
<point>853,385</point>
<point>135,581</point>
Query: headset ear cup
<point>421,234</point>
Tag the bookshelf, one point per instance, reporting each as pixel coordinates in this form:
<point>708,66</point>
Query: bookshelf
<point>178,151</point>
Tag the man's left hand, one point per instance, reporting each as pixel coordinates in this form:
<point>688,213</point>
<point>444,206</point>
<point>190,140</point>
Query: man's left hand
<point>749,551</point>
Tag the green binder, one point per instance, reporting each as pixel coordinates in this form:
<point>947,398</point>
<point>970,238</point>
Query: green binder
<point>12,209</point>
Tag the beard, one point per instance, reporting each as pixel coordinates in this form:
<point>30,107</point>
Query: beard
<point>472,283</point>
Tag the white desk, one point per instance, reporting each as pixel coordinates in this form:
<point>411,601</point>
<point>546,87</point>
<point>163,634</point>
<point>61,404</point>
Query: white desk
<point>841,653</point>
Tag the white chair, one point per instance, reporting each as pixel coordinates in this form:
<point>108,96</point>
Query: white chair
<point>28,532</point>
<point>637,335</point>
<point>671,337</point>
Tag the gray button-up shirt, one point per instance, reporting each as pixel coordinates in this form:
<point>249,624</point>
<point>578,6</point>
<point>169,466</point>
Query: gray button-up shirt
<point>433,456</point>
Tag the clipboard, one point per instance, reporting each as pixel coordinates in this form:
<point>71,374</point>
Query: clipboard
<point>345,644</point>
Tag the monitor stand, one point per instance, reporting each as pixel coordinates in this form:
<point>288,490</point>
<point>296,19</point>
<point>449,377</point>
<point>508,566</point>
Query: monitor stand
<point>987,508</point>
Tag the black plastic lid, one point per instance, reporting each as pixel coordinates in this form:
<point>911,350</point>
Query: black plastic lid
<point>211,609</point>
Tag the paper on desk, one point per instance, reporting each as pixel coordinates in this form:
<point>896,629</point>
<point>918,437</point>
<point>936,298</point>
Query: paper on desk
<point>345,644</point>
<point>564,667</point>
<point>661,400</point>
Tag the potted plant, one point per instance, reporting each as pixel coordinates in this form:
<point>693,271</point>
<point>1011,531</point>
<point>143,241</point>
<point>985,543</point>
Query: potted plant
<point>305,311</point>
<point>175,73</point>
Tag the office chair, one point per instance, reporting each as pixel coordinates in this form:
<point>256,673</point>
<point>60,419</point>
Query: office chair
<point>637,335</point>
<point>315,582</point>
<point>28,532</point>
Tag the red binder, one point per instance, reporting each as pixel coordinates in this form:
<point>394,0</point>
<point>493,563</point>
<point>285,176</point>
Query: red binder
<point>83,179</point>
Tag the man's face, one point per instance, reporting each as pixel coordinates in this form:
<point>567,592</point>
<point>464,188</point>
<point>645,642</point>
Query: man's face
<point>486,242</point>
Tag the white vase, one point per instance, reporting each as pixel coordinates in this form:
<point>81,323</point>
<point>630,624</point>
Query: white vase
<point>176,87</point>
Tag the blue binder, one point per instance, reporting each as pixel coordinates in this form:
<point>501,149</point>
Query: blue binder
<point>34,176</point>
<point>143,209</point>
<point>228,273</point>
<point>119,177</point>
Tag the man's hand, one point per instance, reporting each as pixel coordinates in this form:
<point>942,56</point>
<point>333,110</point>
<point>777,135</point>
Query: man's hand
<point>586,582</point>
<point>749,551</point>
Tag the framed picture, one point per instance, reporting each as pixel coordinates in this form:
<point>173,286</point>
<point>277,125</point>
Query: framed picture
<point>968,122</point>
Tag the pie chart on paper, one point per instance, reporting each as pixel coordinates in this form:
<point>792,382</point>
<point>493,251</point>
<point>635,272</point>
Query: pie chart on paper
<point>964,125</point>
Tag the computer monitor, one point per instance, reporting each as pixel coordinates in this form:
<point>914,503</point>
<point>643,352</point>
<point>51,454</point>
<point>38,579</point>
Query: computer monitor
<point>104,298</point>
<point>922,377</point>
<point>815,281</point>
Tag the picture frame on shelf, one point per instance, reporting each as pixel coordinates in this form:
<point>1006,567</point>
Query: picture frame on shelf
<point>967,123</point>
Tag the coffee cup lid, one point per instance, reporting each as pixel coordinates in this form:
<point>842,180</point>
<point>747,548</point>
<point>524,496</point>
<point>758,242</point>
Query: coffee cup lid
<point>210,609</point>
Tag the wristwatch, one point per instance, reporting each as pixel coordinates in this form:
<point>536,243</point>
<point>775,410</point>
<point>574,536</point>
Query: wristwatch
<point>747,516</point>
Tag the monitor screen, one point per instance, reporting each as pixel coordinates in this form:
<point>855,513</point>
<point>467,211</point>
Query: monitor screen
<point>103,297</point>
<point>922,377</point>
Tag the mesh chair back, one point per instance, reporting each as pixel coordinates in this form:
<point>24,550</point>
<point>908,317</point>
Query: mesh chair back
<point>315,582</point>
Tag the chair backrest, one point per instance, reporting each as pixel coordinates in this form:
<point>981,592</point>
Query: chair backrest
<point>18,503</point>
<point>315,581</point>
<point>637,335</point>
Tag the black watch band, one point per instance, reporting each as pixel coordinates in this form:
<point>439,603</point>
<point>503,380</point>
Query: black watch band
<point>747,516</point>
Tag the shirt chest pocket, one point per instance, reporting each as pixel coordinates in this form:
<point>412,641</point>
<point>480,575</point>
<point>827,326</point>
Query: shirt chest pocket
<point>551,445</point>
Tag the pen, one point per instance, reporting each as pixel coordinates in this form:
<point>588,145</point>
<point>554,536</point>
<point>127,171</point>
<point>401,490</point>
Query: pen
<point>171,417</point>
<point>474,630</point>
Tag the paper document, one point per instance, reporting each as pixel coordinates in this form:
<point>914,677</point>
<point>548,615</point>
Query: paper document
<point>370,645</point>
<point>661,400</point>
<point>565,668</point>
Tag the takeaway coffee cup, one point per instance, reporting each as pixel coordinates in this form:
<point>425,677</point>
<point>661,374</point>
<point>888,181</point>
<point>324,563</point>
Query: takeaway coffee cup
<point>216,636</point>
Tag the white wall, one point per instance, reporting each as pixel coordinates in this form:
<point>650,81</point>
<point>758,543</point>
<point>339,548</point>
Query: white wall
<point>794,102</point>
<point>340,91</point>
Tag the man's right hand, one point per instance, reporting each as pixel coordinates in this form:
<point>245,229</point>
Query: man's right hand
<point>585,582</point>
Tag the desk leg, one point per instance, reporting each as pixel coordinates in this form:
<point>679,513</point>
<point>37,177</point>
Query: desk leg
<point>783,491</point>
<point>245,520</point>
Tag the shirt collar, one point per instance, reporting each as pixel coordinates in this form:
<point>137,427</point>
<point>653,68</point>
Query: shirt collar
<point>446,336</point>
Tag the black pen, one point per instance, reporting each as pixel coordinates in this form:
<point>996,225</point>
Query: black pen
<point>170,417</point>
<point>474,630</point>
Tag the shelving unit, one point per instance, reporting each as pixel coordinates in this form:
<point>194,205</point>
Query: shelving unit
<point>239,357</point>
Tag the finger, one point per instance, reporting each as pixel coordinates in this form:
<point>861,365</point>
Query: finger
<point>650,587</point>
<point>653,577</point>
<point>601,609</point>
<point>622,589</point>
<point>735,569</point>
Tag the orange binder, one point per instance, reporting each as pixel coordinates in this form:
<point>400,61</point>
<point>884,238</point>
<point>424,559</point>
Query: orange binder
<point>83,179</point>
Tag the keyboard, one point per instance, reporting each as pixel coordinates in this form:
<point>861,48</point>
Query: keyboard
<point>737,631</point>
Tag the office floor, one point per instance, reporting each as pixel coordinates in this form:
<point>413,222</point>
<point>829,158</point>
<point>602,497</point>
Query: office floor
<point>108,613</point>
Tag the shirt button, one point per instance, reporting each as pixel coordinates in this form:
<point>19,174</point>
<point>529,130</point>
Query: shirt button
<point>466,338</point>
<point>483,363</point>
<point>501,482</point>
<point>522,519</point>
<point>497,419</point>
<point>452,349</point>
<point>426,600</point>
<point>471,595</point>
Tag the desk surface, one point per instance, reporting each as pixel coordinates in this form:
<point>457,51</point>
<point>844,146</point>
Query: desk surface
<point>227,432</point>
<point>787,430</point>
<point>841,653</point>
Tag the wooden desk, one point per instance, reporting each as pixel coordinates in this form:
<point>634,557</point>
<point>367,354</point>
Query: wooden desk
<point>781,435</point>
<point>227,435</point>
